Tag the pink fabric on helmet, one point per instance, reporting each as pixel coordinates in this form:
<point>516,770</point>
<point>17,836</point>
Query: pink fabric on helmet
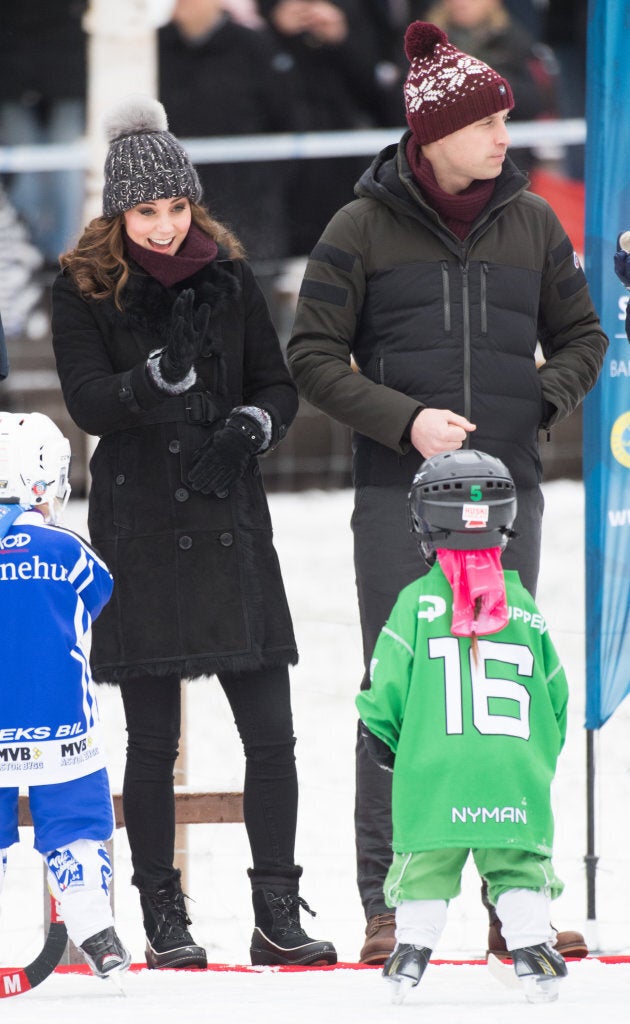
<point>472,575</point>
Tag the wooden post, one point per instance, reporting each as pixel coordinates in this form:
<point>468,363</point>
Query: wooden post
<point>122,59</point>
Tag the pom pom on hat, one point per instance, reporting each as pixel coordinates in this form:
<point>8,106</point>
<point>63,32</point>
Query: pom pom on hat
<point>421,37</point>
<point>447,89</point>
<point>144,161</point>
<point>135,113</point>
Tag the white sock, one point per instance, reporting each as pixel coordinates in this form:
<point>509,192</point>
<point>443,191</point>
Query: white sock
<point>524,916</point>
<point>79,877</point>
<point>420,922</point>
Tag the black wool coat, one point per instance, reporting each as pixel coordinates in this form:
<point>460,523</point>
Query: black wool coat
<point>198,588</point>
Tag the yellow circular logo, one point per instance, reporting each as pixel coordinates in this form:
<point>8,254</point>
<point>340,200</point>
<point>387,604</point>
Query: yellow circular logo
<point>620,439</point>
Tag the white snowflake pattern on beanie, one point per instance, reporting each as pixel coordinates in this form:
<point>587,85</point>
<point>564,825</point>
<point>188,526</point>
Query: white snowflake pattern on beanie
<point>447,89</point>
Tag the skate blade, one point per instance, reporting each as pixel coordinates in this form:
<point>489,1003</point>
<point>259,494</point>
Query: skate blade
<point>541,990</point>
<point>116,978</point>
<point>536,989</point>
<point>400,989</point>
<point>503,972</point>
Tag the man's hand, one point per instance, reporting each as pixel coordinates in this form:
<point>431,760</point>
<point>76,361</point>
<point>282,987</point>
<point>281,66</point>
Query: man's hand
<point>439,430</point>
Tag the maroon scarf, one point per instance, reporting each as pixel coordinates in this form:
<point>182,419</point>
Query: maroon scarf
<point>197,250</point>
<point>458,212</point>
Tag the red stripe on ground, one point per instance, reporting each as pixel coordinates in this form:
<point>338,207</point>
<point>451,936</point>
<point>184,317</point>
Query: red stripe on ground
<point>249,969</point>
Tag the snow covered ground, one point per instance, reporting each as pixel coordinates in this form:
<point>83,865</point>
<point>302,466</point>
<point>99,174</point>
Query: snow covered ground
<point>314,543</point>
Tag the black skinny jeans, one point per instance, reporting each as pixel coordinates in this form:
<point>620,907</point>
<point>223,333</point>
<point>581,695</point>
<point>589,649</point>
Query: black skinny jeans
<point>261,705</point>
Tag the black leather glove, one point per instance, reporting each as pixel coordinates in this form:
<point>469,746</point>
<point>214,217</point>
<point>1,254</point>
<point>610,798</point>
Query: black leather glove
<point>186,336</point>
<point>377,749</point>
<point>226,455</point>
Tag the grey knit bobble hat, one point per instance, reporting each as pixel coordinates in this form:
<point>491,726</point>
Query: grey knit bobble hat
<point>144,160</point>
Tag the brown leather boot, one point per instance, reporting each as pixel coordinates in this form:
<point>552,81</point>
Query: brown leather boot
<point>570,944</point>
<point>379,939</point>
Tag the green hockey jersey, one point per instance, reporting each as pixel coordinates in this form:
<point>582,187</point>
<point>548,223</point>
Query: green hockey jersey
<point>476,744</point>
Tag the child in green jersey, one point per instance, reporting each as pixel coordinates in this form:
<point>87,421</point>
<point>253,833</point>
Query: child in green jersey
<point>467,707</point>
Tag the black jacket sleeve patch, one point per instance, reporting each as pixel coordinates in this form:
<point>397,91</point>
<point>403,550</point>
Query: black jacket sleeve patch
<point>325,253</point>
<point>561,251</point>
<point>572,284</point>
<point>331,293</point>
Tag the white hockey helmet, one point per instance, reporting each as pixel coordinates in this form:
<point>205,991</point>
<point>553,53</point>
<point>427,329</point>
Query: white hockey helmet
<point>34,462</point>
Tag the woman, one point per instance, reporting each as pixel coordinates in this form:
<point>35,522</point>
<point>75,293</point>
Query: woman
<point>165,349</point>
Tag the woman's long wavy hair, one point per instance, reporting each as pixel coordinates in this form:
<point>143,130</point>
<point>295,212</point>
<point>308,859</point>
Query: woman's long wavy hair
<point>99,266</point>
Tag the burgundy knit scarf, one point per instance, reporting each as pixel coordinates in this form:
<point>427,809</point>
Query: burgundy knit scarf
<point>196,251</point>
<point>458,212</point>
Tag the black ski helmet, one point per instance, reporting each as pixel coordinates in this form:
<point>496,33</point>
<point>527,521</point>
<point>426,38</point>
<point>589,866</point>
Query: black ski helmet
<point>463,501</point>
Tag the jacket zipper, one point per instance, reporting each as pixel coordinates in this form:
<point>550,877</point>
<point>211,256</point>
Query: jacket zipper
<point>446,294</point>
<point>484,298</point>
<point>466,342</point>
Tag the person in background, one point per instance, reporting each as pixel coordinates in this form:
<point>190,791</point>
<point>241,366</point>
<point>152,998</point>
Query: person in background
<point>565,28</point>
<point>418,322</point>
<point>245,12</point>
<point>335,50</point>
<point>221,78</point>
<point>43,69</point>
<point>475,683</point>
<point>165,350</point>
<point>55,593</point>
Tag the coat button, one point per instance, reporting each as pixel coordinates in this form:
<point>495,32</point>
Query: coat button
<point>120,479</point>
<point>185,543</point>
<point>181,494</point>
<point>221,494</point>
<point>174,447</point>
<point>226,539</point>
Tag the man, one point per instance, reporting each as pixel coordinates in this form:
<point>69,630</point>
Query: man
<point>437,283</point>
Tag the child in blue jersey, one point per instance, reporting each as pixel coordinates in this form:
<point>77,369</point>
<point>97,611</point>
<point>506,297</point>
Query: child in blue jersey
<point>52,586</point>
<point>467,707</point>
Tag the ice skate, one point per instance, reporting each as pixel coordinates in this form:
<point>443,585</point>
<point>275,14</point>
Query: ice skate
<point>404,968</point>
<point>106,955</point>
<point>539,968</point>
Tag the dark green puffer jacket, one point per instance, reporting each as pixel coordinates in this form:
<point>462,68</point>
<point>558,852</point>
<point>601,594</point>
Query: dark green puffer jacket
<point>432,321</point>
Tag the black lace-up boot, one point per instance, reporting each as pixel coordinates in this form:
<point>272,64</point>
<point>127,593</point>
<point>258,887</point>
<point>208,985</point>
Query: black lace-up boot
<point>278,936</point>
<point>169,943</point>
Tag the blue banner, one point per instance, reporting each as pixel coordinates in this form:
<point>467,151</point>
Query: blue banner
<point>607,407</point>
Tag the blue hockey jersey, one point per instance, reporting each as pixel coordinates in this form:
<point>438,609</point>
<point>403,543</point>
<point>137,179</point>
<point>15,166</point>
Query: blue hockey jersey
<point>52,586</point>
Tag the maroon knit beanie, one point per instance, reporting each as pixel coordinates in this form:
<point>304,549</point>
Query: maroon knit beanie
<point>445,88</point>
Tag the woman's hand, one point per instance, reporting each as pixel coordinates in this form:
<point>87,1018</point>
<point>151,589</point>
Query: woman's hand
<point>186,337</point>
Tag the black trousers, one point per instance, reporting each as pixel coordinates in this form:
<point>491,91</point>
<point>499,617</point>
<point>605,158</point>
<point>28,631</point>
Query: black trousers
<point>386,559</point>
<point>261,705</point>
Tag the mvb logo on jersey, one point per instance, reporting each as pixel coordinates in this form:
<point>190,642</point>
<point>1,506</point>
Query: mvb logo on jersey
<point>67,871</point>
